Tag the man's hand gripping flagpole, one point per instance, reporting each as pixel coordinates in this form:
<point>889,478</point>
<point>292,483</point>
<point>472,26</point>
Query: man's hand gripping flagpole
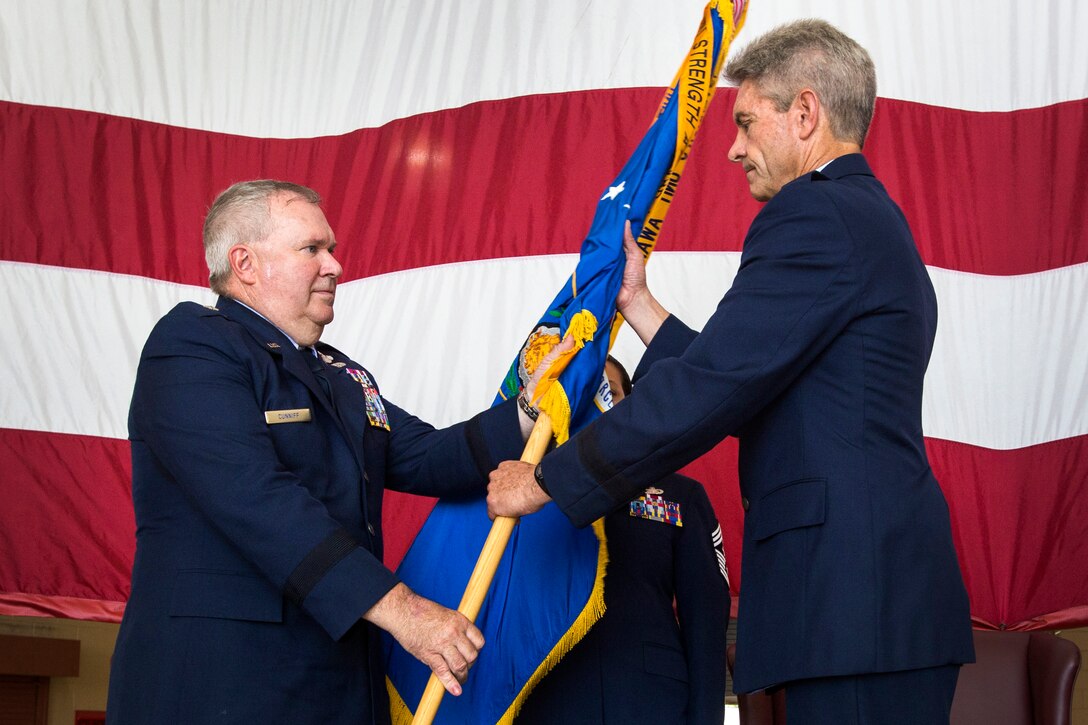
<point>502,526</point>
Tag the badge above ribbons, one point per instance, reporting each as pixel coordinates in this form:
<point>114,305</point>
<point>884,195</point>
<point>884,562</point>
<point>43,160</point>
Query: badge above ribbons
<point>653,506</point>
<point>549,587</point>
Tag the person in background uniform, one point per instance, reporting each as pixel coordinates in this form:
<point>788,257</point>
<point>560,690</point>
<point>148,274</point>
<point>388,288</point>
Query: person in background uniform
<point>259,457</point>
<point>853,600</point>
<point>643,661</point>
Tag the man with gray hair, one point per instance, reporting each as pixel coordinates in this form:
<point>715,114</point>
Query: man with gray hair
<point>852,599</point>
<point>259,458</point>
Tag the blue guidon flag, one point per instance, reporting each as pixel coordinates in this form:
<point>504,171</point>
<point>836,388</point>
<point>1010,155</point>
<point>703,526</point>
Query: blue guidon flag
<point>549,587</point>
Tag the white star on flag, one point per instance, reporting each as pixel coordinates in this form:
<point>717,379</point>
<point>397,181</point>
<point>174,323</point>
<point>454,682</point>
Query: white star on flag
<point>613,191</point>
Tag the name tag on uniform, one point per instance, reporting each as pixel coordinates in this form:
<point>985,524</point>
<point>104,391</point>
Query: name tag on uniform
<point>295,415</point>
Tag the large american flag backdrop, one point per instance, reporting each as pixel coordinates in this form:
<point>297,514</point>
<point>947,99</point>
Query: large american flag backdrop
<point>461,148</point>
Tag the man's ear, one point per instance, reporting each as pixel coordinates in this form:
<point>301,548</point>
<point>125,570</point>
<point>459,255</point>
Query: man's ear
<point>242,264</point>
<point>807,112</point>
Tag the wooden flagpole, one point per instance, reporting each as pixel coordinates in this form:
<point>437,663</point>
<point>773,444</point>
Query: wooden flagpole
<point>486,565</point>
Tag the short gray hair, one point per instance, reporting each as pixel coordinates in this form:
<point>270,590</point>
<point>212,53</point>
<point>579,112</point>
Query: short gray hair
<point>812,54</point>
<point>241,214</point>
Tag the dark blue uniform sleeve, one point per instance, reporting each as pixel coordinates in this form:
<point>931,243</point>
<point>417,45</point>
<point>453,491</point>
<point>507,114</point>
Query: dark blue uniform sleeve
<point>796,289</point>
<point>451,461</point>
<point>670,341</point>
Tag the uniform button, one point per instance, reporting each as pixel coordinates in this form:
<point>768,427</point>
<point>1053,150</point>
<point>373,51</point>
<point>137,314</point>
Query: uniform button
<point>744,503</point>
<point>370,528</point>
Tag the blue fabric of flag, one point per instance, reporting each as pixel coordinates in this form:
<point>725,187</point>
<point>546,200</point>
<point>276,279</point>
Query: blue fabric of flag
<point>548,589</point>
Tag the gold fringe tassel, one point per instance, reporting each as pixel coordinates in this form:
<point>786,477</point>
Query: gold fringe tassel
<point>591,613</point>
<point>399,712</point>
<point>583,326</point>
<point>554,401</point>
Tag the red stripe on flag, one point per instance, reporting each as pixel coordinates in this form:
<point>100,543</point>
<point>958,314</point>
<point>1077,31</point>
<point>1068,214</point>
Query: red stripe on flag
<point>512,178</point>
<point>79,566</point>
<point>66,524</point>
<point>989,193</point>
<point>14,604</point>
<point>1019,516</point>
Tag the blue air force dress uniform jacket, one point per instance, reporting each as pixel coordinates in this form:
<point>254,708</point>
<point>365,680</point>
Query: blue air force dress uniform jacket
<point>258,500</point>
<point>641,662</point>
<point>814,359</point>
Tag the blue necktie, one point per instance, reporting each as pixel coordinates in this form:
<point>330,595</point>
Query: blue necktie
<point>319,370</point>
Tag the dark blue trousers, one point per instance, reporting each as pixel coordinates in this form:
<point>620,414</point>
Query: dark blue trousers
<point>911,697</point>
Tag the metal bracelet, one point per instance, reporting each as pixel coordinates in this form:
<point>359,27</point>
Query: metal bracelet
<point>528,409</point>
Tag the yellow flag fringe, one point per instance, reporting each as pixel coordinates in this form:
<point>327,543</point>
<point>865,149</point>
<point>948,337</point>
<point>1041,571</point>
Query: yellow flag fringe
<point>590,615</point>
<point>398,711</point>
<point>553,401</point>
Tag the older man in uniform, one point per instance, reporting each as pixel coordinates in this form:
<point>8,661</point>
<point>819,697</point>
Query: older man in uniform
<point>259,459</point>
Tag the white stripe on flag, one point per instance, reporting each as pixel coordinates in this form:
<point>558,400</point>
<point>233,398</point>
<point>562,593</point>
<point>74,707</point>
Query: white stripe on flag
<point>1007,370</point>
<point>169,62</point>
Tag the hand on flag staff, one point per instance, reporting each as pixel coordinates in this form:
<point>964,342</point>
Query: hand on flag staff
<point>540,378</point>
<point>443,639</point>
<point>515,491</point>
<point>517,488</point>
